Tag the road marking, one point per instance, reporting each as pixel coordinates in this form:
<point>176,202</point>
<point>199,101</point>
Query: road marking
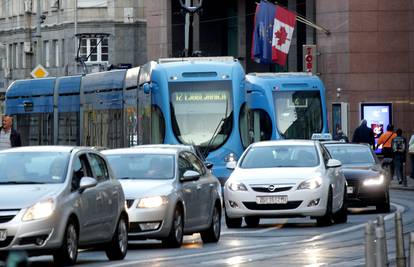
<point>230,250</point>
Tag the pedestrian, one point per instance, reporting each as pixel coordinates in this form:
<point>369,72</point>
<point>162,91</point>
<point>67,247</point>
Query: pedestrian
<point>385,141</point>
<point>340,136</point>
<point>411,153</point>
<point>399,145</point>
<point>9,137</point>
<point>364,134</point>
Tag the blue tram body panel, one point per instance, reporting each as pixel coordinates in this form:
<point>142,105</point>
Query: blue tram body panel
<point>30,96</point>
<point>274,94</point>
<point>68,90</point>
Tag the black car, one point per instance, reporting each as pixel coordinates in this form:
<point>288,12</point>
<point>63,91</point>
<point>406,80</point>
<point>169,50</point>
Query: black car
<point>368,182</point>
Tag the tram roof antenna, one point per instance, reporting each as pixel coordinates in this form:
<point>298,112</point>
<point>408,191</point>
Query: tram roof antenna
<point>83,59</point>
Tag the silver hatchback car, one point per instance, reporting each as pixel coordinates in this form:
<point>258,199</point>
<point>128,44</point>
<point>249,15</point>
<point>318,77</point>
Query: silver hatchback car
<point>55,199</point>
<point>169,192</point>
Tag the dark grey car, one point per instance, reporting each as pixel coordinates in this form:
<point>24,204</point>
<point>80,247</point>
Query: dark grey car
<point>368,183</point>
<point>54,200</point>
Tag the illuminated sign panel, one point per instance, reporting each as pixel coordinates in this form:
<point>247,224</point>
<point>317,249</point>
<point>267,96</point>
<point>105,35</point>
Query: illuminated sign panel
<point>200,96</point>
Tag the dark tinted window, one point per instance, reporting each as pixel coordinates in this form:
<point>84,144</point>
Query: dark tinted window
<point>99,168</point>
<point>351,154</point>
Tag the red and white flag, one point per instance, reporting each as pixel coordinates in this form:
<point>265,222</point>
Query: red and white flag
<point>283,27</point>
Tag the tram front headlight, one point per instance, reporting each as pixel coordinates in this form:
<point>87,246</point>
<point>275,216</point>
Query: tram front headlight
<point>230,157</point>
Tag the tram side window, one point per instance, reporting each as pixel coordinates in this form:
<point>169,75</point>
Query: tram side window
<point>157,125</point>
<point>244,126</point>
<point>260,125</point>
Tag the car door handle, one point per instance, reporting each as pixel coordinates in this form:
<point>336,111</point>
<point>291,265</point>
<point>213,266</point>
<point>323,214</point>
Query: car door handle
<point>199,187</point>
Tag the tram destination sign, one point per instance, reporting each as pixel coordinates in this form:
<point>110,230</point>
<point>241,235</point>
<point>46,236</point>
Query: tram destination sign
<point>200,96</point>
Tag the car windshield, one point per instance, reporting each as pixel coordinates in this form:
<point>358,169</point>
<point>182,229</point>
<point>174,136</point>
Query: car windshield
<point>280,156</point>
<point>142,166</point>
<point>351,154</point>
<point>33,167</point>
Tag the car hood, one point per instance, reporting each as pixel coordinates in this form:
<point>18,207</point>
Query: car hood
<point>23,196</point>
<point>360,173</point>
<point>274,175</point>
<point>135,188</point>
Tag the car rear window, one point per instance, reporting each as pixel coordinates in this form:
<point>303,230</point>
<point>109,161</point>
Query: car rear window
<point>280,156</point>
<point>142,166</point>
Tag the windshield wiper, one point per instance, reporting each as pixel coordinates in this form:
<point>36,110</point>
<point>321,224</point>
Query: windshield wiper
<point>21,182</point>
<point>127,178</point>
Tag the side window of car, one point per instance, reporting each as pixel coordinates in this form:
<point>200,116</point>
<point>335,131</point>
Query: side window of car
<point>325,154</point>
<point>80,168</point>
<point>197,165</point>
<point>98,167</point>
<point>183,165</point>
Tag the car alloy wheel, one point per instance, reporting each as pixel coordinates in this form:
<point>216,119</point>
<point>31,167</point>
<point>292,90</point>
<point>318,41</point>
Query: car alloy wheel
<point>212,234</point>
<point>68,252</point>
<point>117,248</point>
<point>175,237</point>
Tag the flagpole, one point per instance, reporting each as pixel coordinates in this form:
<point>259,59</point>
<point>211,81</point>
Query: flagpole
<point>304,20</point>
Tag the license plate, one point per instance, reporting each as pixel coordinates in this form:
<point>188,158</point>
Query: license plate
<point>350,190</point>
<point>272,200</point>
<point>3,235</point>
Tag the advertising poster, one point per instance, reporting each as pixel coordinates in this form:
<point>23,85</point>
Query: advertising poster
<point>378,116</point>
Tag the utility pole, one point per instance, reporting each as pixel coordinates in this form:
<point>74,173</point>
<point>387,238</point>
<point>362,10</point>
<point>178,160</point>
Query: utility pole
<point>75,34</point>
<point>38,36</point>
<point>189,11</point>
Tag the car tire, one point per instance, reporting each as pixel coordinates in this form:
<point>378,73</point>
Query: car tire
<point>175,237</point>
<point>212,234</point>
<point>384,206</point>
<point>67,254</point>
<point>233,222</point>
<point>118,247</point>
<point>252,221</point>
<point>342,215</point>
<point>327,219</point>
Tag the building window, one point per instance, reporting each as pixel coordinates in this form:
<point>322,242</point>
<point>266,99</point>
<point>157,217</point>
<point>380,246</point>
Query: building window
<point>47,54</point>
<point>23,56</point>
<point>18,55</point>
<point>97,51</point>
<point>57,52</point>
<point>62,52</point>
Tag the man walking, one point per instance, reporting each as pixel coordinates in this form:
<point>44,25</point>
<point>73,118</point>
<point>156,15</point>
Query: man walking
<point>399,145</point>
<point>9,137</point>
<point>364,134</point>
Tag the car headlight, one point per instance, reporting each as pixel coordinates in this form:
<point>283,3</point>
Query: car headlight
<point>374,181</point>
<point>311,183</point>
<point>152,202</point>
<point>235,186</point>
<point>40,210</point>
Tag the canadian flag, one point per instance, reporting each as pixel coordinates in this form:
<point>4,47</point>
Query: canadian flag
<point>283,27</point>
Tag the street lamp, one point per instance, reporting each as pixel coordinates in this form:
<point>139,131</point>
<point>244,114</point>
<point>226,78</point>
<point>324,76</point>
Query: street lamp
<point>190,11</point>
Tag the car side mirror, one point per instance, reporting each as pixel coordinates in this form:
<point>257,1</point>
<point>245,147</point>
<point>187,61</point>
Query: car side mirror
<point>87,182</point>
<point>190,176</point>
<point>209,165</point>
<point>333,163</point>
<point>231,165</point>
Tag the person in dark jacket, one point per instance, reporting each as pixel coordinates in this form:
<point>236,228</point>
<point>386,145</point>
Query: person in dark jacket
<point>364,134</point>
<point>9,137</point>
<point>340,136</point>
<point>399,152</point>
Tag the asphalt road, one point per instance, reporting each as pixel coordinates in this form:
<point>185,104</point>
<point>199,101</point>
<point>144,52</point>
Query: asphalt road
<point>276,242</point>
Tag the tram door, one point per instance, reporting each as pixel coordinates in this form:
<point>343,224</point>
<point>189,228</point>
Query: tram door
<point>130,98</point>
<point>103,109</point>
<point>68,110</point>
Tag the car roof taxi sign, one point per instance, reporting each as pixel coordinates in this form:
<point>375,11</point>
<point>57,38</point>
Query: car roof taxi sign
<point>39,72</point>
<point>321,136</point>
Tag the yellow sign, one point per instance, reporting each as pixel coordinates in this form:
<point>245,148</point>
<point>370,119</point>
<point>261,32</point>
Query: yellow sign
<point>39,72</point>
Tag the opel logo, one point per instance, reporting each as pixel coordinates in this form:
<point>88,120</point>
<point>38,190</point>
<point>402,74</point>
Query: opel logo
<point>271,188</point>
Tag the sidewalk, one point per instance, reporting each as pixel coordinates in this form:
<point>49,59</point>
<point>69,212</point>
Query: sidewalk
<point>410,184</point>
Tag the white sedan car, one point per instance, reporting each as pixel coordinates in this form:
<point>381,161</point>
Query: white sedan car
<point>285,178</point>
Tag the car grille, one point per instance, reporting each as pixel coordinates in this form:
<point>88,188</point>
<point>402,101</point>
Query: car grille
<point>7,215</point>
<point>288,206</point>
<point>6,242</point>
<point>266,189</point>
<point>129,202</point>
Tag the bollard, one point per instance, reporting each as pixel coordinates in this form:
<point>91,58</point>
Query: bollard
<point>370,245</point>
<point>411,249</point>
<point>381,224</point>
<point>381,248</point>
<point>399,240</point>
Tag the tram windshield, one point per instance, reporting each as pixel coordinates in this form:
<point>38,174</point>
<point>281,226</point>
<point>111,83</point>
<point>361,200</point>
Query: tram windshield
<point>298,113</point>
<point>202,112</point>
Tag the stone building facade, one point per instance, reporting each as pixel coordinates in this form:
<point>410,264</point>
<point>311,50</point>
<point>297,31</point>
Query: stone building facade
<point>122,21</point>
